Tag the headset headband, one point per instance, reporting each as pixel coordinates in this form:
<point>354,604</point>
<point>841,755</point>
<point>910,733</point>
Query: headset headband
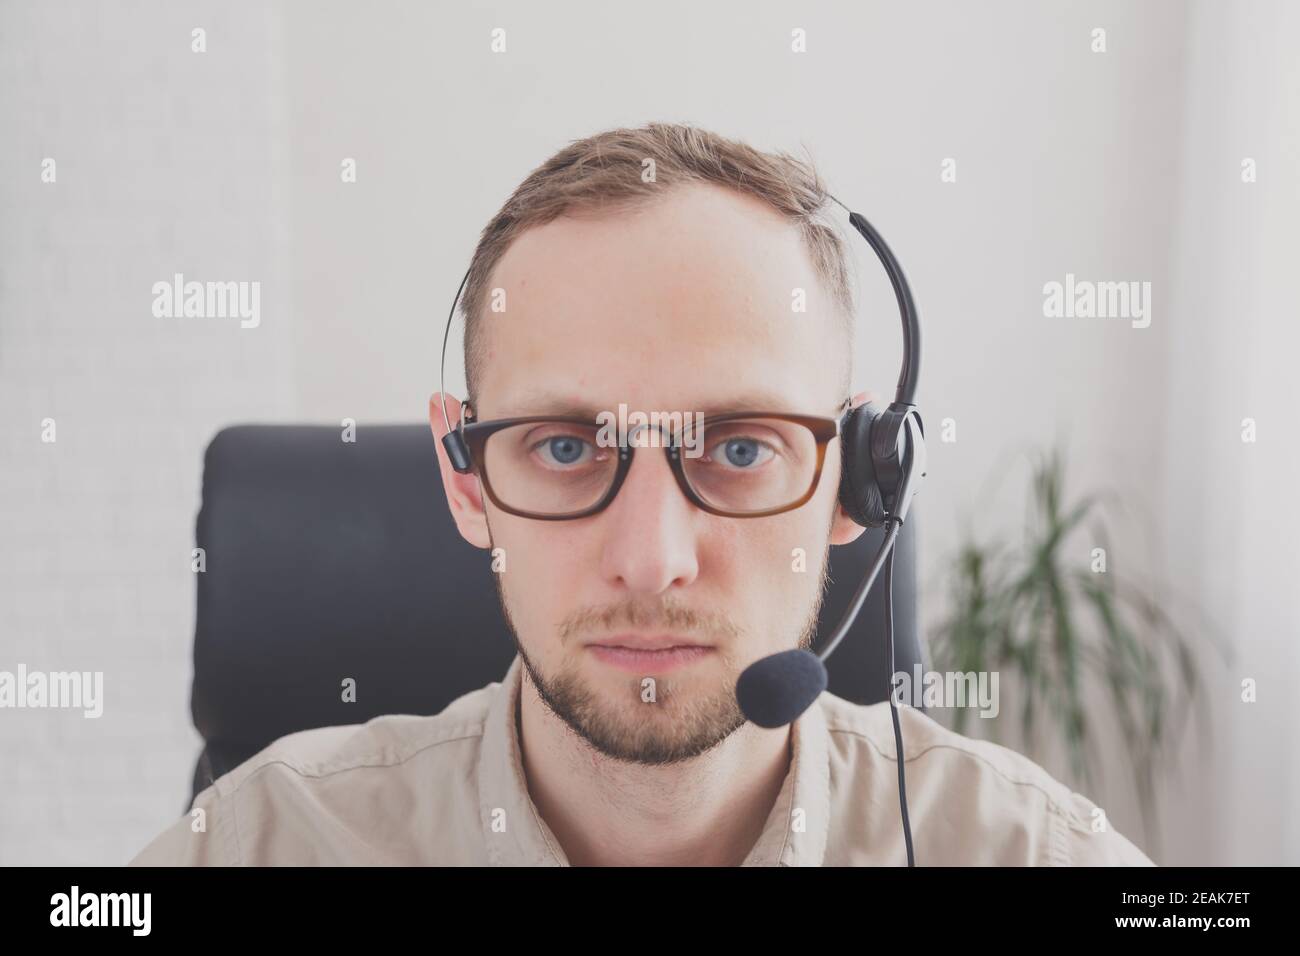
<point>910,371</point>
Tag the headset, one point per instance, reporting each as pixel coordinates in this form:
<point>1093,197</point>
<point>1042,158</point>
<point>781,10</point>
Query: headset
<point>882,460</point>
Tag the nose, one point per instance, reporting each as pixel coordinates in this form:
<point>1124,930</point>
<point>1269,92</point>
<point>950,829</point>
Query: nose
<point>650,529</point>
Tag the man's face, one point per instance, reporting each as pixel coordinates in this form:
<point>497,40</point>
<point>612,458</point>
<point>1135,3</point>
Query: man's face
<point>680,306</point>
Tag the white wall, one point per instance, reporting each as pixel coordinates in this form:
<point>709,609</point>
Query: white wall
<point>166,162</point>
<point>1230,521</point>
<point>226,165</point>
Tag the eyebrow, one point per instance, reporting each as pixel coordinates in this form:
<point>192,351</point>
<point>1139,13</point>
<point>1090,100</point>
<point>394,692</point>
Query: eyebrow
<point>549,403</point>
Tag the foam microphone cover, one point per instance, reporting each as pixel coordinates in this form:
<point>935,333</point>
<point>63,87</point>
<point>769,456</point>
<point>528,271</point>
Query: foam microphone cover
<point>774,691</point>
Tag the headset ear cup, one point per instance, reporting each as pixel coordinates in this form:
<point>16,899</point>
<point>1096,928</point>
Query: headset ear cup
<point>859,490</point>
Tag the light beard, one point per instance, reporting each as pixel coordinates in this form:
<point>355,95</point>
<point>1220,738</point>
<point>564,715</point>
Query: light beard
<point>690,722</point>
<point>672,728</point>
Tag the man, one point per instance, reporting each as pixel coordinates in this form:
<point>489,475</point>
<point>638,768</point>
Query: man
<point>650,270</point>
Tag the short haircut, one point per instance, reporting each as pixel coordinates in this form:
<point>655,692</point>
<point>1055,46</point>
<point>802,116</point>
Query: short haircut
<point>604,174</point>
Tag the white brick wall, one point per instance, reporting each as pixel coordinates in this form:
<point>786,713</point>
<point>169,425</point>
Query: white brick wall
<point>166,163</point>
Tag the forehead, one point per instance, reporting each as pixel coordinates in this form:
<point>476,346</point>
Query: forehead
<point>677,305</point>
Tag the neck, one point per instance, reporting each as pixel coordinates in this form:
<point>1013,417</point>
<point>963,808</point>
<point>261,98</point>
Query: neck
<point>706,811</point>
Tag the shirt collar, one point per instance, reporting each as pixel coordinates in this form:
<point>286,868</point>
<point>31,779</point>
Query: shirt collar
<point>516,834</point>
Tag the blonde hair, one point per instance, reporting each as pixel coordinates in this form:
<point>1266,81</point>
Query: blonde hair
<point>603,173</point>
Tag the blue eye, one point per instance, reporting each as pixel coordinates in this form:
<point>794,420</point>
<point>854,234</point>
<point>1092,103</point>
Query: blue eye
<point>744,453</point>
<point>564,449</point>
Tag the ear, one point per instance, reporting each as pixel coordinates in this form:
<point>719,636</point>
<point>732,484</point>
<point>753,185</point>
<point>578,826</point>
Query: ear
<point>844,530</point>
<point>464,495</point>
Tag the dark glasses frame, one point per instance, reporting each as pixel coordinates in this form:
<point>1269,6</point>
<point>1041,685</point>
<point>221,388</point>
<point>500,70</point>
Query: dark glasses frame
<point>476,434</point>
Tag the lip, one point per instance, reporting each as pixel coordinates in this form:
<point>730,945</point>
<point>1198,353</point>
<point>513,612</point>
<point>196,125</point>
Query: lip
<point>646,642</point>
<point>641,661</point>
<point>648,653</point>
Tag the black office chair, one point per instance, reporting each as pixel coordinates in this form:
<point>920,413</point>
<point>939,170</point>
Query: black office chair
<point>328,560</point>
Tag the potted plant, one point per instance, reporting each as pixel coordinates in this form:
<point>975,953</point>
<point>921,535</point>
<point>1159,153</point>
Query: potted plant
<point>1054,618</point>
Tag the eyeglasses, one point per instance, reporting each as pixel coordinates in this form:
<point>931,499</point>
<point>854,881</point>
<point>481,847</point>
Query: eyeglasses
<point>739,465</point>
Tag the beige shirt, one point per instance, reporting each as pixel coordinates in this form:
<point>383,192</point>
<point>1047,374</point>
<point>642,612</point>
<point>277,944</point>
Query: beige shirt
<point>450,790</point>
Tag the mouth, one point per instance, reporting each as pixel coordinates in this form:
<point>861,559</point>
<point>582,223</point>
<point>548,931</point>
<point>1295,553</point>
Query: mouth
<point>645,654</point>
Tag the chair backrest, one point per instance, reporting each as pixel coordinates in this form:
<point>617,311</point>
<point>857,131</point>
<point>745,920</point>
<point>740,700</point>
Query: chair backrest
<point>327,560</point>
